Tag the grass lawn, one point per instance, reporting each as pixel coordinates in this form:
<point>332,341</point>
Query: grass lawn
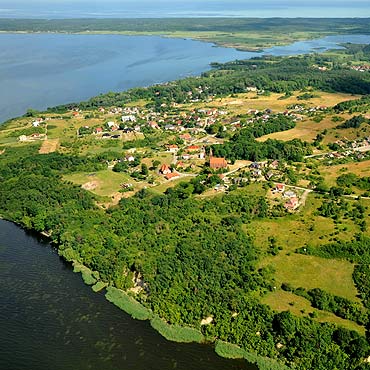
<point>170,184</point>
<point>299,306</point>
<point>310,272</point>
<point>103,183</point>
<point>305,130</point>
<point>331,173</point>
<point>242,102</point>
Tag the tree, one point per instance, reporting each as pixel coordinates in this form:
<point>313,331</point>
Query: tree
<point>144,169</point>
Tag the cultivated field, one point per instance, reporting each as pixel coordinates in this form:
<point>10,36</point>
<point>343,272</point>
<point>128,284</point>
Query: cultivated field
<point>49,146</point>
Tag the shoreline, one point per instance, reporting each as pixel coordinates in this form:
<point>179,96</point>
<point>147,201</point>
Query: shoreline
<point>162,35</point>
<point>132,307</point>
<point>189,36</point>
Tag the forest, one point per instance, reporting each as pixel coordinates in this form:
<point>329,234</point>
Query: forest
<point>192,252</point>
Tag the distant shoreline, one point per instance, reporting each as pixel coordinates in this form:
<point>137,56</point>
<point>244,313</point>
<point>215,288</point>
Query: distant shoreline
<point>244,34</point>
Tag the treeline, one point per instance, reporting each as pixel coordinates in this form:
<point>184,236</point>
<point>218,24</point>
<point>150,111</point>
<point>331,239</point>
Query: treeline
<point>339,306</point>
<point>244,146</point>
<point>348,180</point>
<point>241,146</point>
<point>275,124</point>
<point>354,122</point>
<point>53,164</point>
<point>275,25</point>
<point>352,106</point>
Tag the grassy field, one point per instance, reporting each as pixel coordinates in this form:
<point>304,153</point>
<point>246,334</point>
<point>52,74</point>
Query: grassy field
<point>311,272</point>
<point>331,173</point>
<point>305,130</point>
<point>242,102</point>
<point>286,301</point>
<point>170,184</point>
<point>103,183</point>
<point>49,146</point>
<point>293,231</point>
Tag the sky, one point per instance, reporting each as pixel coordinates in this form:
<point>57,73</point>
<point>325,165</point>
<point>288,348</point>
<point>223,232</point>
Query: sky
<point>181,8</point>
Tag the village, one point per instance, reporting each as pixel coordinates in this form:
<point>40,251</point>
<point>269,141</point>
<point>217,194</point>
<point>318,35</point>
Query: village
<point>160,149</point>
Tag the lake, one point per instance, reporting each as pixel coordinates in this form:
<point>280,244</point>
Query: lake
<point>51,320</point>
<point>42,70</point>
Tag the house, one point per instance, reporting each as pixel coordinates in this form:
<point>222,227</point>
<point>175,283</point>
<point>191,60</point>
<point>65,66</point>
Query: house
<point>165,169</point>
<point>172,175</point>
<point>186,156</point>
<point>280,188</point>
<point>172,148</point>
<point>290,194</point>
<point>256,173</point>
<point>22,138</point>
<point>128,118</point>
<point>192,148</point>
<point>202,155</point>
<point>292,203</point>
<point>269,175</point>
<point>153,125</point>
<point>111,124</point>
<point>36,123</point>
<point>98,130</point>
<point>185,137</point>
<point>217,163</point>
<point>130,158</point>
<point>255,165</point>
<point>37,136</point>
<point>180,164</point>
<point>274,164</point>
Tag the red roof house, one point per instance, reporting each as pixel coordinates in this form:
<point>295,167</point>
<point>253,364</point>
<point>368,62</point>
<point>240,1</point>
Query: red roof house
<point>217,163</point>
<point>165,169</point>
<point>172,175</point>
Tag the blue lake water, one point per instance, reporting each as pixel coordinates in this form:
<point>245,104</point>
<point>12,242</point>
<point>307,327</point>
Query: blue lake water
<point>43,70</point>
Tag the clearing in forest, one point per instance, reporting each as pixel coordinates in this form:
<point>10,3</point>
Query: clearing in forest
<point>49,146</point>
